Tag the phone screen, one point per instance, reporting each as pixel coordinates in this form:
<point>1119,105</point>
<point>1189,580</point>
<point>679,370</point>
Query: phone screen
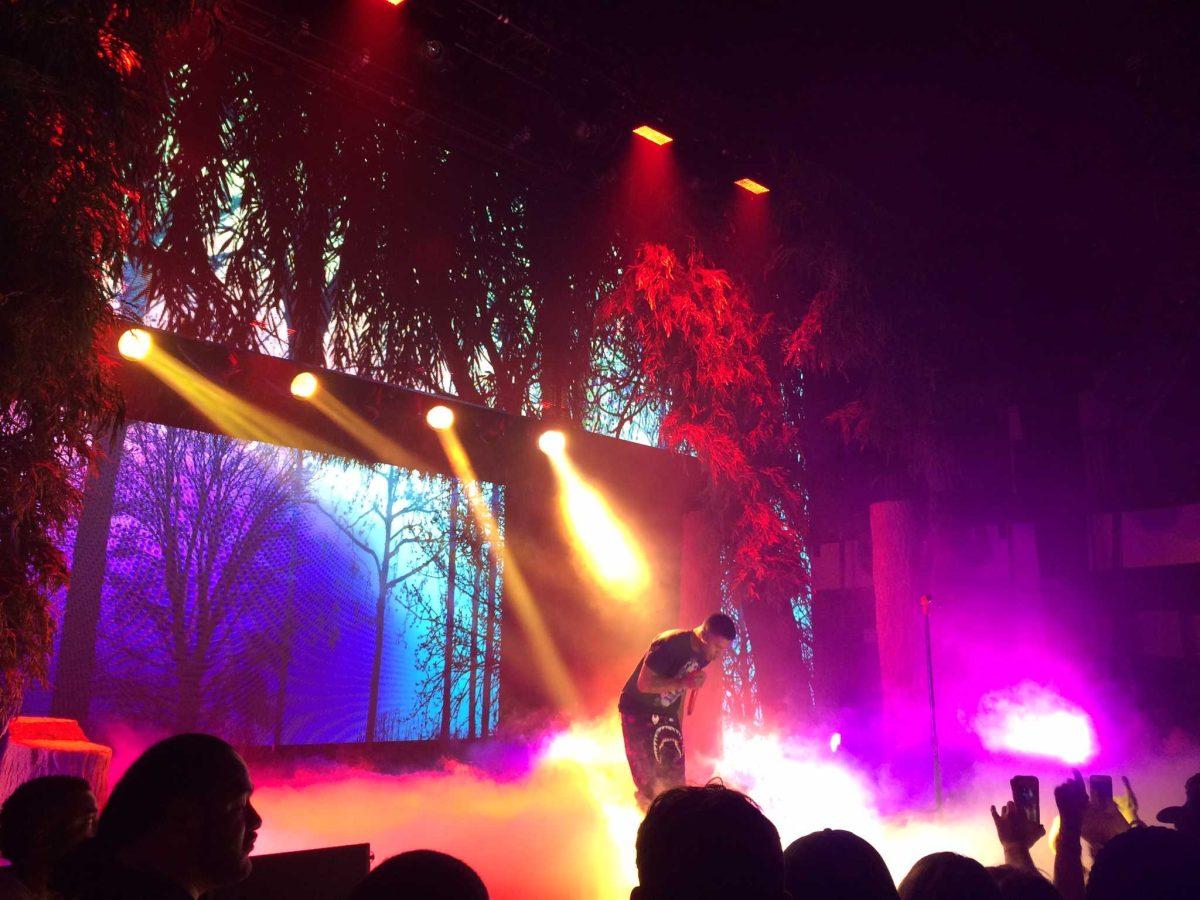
<point>1101,789</point>
<point>1025,795</point>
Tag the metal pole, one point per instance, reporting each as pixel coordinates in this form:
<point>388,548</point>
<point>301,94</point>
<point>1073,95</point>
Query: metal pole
<point>926,604</point>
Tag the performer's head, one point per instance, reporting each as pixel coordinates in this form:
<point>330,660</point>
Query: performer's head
<point>716,634</point>
<point>701,842</point>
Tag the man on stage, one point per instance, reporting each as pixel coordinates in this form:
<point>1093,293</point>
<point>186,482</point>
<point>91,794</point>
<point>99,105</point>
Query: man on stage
<point>652,699</point>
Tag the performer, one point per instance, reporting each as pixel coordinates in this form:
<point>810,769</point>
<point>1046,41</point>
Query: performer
<point>651,701</point>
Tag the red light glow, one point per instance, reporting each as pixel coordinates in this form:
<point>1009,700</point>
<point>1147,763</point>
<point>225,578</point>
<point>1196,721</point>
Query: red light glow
<point>749,184</point>
<point>653,135</point>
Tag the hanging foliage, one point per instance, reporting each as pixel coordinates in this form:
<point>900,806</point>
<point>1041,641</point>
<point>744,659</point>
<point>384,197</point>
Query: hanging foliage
<point>703,350</point>
<point>80,87</point>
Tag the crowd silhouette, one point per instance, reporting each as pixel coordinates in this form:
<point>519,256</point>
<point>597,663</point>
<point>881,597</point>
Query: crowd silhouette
<point>181,823</point>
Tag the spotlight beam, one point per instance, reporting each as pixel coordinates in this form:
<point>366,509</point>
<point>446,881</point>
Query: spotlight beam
<point>607,549</point>
<point>516,590</point>
<point>229,413</point>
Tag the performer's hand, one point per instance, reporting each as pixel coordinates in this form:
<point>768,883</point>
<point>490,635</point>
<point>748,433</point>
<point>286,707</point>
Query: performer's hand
<point>694,680</point>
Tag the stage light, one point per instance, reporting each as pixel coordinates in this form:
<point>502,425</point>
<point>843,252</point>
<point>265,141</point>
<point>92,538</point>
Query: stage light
<point>395,2</point>
<point>135,344</point>
<point>653,135</point>
<point>749,184</point>
<point>304,385</point>
<point>440,417</point>
<point>552,442</point>
<point>835,742</point>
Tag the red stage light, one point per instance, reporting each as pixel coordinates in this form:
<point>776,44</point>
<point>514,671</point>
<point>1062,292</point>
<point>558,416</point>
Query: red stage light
<point>653,135</point>
<point>749,184</point>
<point>395,2</point>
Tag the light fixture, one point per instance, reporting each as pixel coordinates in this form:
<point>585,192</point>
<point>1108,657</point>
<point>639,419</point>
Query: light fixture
<point>749,184</point>
<point>135,343</point>
<point>440,417</point>
<point>653,135</point>
<point>304,385</point>
<point>552,442</point>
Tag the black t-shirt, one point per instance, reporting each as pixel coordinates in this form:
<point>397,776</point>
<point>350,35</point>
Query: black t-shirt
<point>670,656</point>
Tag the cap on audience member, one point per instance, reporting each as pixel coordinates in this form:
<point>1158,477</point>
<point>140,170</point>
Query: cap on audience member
<point>836,865</point>
<point>1186,817</point>
<point>421,875</point>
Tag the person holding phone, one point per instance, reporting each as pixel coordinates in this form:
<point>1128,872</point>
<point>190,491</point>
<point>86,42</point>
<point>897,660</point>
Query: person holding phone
<point>651,701</point>
<point>1019,823</point>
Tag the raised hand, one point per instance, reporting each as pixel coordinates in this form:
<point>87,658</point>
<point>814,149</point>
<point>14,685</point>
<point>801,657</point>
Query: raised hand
<point>1129,804</point>
<point>1072,799</point>
<point>1014,829</point>
<point>1102,821</point>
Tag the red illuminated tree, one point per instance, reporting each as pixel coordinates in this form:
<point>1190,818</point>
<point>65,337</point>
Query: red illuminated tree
<point>706,353</point>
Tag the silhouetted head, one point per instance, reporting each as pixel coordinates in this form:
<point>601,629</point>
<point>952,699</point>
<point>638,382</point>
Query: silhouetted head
<point>190,795</point>
<point>836,865</point>
<point>421,875</point>
<point>702,842</point>
<point>948,876</point>
<point>45,819</point>
<point>1147,863</point>
<point>1187,817</point>
<point>1020,884</point>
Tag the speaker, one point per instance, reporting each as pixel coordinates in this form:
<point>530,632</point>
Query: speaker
<point>328,873</point>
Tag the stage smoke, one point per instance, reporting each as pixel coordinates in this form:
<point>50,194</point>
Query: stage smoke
<point>1032,720</point>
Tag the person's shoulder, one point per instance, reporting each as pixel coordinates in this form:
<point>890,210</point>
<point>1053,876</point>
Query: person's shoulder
<point>670,635</point>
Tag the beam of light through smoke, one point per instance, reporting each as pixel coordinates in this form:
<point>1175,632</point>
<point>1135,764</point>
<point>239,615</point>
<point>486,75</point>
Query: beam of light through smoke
<point>516,591</point>
<point>601,540</point>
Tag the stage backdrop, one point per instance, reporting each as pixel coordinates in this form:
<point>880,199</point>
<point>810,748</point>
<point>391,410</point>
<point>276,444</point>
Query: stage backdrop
<point>275,596</point>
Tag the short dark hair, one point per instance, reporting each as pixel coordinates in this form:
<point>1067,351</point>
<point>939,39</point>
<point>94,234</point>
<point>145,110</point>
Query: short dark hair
<point>425,874</point>
<point>182,766</point>
<point>708,842</point>
<point>836,865</point>
<point>720,624</point>
<point>35,803</point>
<point>948,876</point>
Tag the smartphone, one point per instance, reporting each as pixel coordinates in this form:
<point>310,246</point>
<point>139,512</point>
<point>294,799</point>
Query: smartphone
<point>1025,795</point>
<point>1100,787</point>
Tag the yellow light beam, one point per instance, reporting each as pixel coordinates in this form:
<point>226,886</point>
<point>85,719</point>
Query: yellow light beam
<point>546,655</point>
<point>605,545</point>
<point>228,412</point>
<point>379,444</point>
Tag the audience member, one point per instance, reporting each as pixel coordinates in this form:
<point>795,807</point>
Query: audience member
<point>1017,834</point>
<point>1147,864</point>
<point>1022,884</point>
<point>836,865</point>
<point>421,875</point>
<point>948,876</point>
<point>40,823</point>
<point>707,842</point>
<point>1185,818</point>
<point>178,824</point>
